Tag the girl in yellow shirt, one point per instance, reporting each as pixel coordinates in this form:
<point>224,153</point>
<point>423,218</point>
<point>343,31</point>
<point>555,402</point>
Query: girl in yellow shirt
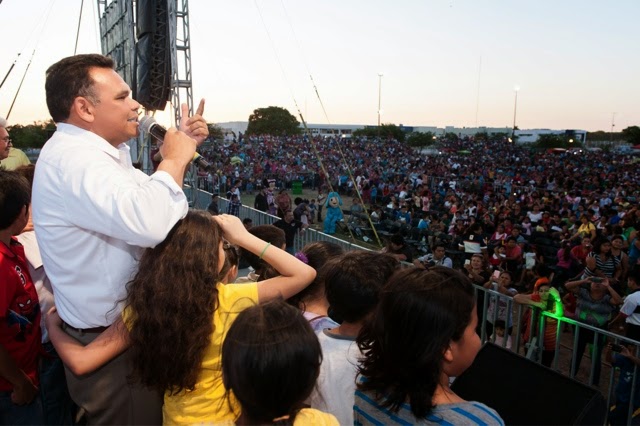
<point>177,313</point>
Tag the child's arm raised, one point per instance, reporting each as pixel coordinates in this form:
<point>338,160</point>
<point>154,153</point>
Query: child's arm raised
<point>294,275</point>
<point>82,359</point>
<point>525,299</point>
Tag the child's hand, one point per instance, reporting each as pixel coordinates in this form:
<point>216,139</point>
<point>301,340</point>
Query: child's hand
<point>52,319</point>
<point>232,227</point>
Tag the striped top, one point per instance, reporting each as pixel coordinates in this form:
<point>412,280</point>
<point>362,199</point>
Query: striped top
<point>367,412</point>
<point>608,267</point>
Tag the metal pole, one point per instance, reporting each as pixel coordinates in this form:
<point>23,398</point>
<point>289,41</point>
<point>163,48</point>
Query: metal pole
<point>515,110</point>
<point>613,117</point>
<point>379,99</point>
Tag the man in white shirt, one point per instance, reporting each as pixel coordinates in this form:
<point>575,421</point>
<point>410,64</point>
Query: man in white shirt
<point>630,311</point>
<point>94,214</point>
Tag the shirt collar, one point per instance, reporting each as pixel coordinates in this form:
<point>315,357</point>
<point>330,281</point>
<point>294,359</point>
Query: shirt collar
<point>92,139</point>
<point>7,251</point>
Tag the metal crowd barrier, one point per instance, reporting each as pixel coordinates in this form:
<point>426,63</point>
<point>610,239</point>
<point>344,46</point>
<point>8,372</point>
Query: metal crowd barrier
<point>200,199</point>
<point>534,348</point>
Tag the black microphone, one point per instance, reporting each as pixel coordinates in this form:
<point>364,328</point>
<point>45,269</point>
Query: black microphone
<point>149,125</point>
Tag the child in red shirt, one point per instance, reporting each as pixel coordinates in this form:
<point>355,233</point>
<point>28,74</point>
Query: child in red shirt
<point>20,334</point>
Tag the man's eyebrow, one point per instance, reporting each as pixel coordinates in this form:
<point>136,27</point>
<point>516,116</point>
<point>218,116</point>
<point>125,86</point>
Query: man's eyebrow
<point>123,92</point>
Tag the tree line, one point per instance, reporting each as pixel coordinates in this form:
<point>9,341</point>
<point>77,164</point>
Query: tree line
<point>278,121</point>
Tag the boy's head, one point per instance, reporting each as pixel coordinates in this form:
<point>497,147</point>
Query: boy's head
<point>500,328</point>
<point>15,197</point>
<point>634,277</point>
<point>353,281</point>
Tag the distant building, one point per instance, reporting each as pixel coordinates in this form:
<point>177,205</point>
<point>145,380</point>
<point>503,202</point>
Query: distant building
<point>346,130</point>
<point>532,135</point>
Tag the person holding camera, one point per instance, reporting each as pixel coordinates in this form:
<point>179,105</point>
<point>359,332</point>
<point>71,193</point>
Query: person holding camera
<point>437,258</point>
<point>596,300</point>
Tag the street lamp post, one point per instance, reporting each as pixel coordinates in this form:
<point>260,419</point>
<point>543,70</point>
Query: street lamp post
<point>613,124</point>
<point>379,99</point>
<point>515,110</point>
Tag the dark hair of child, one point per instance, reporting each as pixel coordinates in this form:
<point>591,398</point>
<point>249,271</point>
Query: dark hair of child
<point>184,292</point>
<point>353,281</point>
<point>270,234</point>
<point>317,254</point>
<point>420,312</point>
<point>270,361</point>
<point>232,258</point>
<point>15,193</point>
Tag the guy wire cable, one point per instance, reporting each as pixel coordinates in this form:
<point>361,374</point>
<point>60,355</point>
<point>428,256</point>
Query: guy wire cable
<point>10,69</point>
<point>20,86</point>
<point>75,49</point>
<point>284,75</point>
<point>35,27</point>
<point>44,24</point>
<point>337,140</point>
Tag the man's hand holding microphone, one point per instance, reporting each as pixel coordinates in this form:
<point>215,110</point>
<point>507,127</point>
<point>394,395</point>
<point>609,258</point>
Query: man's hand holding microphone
<point>178,147</point>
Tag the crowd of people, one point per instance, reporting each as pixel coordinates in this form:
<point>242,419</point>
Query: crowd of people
<point>120,305</point>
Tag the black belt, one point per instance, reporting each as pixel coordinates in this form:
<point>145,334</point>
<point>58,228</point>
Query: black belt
<point>94,330</point>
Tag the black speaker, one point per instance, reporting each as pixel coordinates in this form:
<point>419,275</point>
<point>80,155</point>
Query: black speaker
<point>152,83</point>
<point>524,392</point>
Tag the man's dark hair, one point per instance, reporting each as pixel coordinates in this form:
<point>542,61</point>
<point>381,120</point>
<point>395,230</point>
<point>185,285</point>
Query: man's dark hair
<point>15,193</point>
<point>69,78</point>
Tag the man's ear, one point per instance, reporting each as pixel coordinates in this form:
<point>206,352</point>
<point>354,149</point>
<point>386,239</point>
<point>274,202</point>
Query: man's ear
<point>83,109</point>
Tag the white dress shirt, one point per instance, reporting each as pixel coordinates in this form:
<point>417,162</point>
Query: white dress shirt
<point>93,213</point>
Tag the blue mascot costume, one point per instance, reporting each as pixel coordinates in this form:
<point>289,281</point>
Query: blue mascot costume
<point>334,214</point>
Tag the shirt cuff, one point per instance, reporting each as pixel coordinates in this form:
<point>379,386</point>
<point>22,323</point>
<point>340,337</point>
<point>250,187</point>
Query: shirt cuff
<point>166,178</point>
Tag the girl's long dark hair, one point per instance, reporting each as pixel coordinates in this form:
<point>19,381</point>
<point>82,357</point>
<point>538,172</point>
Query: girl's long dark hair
<point>419,313</point>
<point>270,361</point>
<point>172,299</point>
